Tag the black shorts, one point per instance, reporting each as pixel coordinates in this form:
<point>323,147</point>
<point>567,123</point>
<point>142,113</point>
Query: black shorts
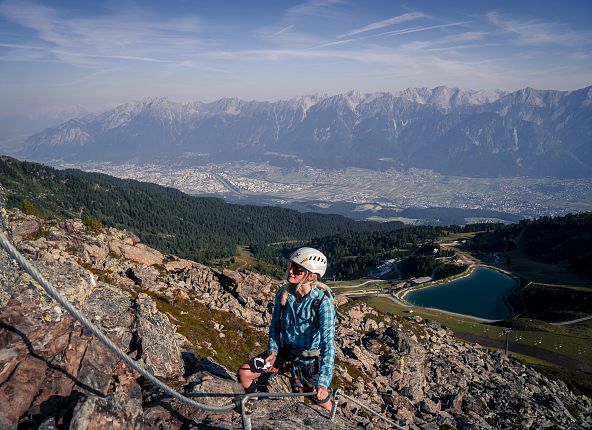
<point>303,372</point>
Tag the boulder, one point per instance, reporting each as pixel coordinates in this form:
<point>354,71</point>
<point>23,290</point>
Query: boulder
<point>178,265</point>
<point>142,254</point>
<point>159,348</point>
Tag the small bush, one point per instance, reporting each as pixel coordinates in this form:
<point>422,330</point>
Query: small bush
<point>42,231</point>
<point>29,208</point>
<point>91,222</point>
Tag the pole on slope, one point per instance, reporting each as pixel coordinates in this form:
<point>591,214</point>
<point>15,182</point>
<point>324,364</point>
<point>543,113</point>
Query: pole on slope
<point>336,396</point>
<point>507,333</point>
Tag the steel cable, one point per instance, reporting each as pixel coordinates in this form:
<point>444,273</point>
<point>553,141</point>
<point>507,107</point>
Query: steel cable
<point>239,399</point>
<point>54,294</point>
<point>373,412</point>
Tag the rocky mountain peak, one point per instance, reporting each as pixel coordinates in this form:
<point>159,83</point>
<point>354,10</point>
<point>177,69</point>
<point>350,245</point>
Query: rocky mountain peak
<point>530,97</point>
<point>53,375</point>
<point>413,128</point>
<point>587,102</point>
<point>228,106</point>
<point>305,102</point>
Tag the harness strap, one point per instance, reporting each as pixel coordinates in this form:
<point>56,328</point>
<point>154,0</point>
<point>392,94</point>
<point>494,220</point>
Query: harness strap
<point>326,399</point>
<point>305,354</point>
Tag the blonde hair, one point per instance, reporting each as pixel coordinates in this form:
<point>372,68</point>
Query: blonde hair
<point>314,283</point>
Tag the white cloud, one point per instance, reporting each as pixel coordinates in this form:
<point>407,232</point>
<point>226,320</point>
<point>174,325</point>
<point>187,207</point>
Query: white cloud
<point>421,28</point>
<point>540,33</point>
<point>462,37</point>
<point>283,30</point>
<point>411,16</point>
<point>322,8</point>
<point>466,46</point>
<point>338,42</point>
<point>119,35</point>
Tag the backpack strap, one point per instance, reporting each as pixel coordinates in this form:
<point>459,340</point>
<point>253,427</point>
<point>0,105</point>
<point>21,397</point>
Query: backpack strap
<point>316,304</point>
<point>283,301</point>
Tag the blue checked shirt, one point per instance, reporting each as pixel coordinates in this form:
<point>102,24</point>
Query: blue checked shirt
<point>300,332</point>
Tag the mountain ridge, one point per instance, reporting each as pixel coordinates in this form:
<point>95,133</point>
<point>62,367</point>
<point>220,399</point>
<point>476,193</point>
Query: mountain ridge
<point>472,133</point>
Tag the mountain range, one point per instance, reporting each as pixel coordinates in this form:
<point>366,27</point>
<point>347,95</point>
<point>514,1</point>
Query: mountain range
<point>528,132</point>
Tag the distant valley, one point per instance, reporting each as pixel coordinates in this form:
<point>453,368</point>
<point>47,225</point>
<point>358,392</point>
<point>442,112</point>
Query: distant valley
<point>421,156</point>
<point>413,196</point>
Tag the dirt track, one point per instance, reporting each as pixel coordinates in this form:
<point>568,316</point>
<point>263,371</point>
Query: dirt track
<point>543,354</point>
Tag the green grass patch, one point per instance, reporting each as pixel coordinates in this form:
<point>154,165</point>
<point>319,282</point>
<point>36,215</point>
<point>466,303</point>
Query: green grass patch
<point>243,260</point>
<point>196,322</point>
<point>406,221</point>
<point>368,207</point>
<point>581,330</point>
<point>533,361</point>
<point>564,340</point>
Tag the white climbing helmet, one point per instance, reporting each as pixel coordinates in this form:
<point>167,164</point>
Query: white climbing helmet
<point>311,259</point>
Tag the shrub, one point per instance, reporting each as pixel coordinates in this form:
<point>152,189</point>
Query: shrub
<point>91,222</point>
<point>29,208</point>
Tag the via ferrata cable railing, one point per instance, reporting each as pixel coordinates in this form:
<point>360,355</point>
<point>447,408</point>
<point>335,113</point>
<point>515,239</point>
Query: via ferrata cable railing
<point>54,294</point>
<point>240,401</point>
<point>337,396</point>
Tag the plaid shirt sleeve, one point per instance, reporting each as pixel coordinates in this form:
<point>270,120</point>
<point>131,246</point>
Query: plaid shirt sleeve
<point>327,342</point>
<point>274,328</point>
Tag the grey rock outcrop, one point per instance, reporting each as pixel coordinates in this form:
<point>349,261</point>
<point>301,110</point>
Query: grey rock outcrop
<point>53,375</point>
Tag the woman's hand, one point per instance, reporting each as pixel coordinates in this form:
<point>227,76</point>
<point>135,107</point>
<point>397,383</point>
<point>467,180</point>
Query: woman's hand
<point>271,357</point>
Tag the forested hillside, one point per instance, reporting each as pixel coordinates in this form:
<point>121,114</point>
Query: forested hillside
<point>165,218</point>
<point>566,239</point>
<point>354,254</point>
<point>204,229</point>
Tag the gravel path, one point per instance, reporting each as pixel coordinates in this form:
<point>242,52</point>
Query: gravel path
<point>533,351</point>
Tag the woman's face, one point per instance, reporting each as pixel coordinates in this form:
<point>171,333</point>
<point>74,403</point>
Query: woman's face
<point>296,273</point>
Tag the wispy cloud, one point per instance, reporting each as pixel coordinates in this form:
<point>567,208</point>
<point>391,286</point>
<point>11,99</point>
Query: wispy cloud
<point>540,33</point>
<point>283,30</point>
<point>117,35</point>
<point>406,17</point>
<point>468,36</point>
<point>321,8</point>
<point>62,53</point>
<point>398,32</point>
<point>466,46</point>
<point>337,42</point>
<point>454,41</point>
<point>422,28</point>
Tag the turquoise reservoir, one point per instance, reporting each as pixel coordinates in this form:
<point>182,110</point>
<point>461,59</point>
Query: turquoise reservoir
<point>480,294</point>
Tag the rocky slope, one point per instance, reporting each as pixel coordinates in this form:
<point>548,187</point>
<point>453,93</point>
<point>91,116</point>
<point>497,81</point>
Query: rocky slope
<point>53,375</point>
<point>469,133</point>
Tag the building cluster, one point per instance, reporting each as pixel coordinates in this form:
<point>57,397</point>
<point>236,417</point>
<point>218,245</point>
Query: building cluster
<point>393,189</point>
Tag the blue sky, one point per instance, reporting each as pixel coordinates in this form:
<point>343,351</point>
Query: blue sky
<point>58,54</point>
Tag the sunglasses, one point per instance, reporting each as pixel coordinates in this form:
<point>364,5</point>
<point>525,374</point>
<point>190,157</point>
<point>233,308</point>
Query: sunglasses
<point>296,269</point>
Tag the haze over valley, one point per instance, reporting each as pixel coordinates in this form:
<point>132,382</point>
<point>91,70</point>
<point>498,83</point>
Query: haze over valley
<point>525,153</point>
<point>378,195</point>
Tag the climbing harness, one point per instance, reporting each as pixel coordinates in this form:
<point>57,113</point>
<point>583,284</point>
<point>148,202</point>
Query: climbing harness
<point>240,401</point>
